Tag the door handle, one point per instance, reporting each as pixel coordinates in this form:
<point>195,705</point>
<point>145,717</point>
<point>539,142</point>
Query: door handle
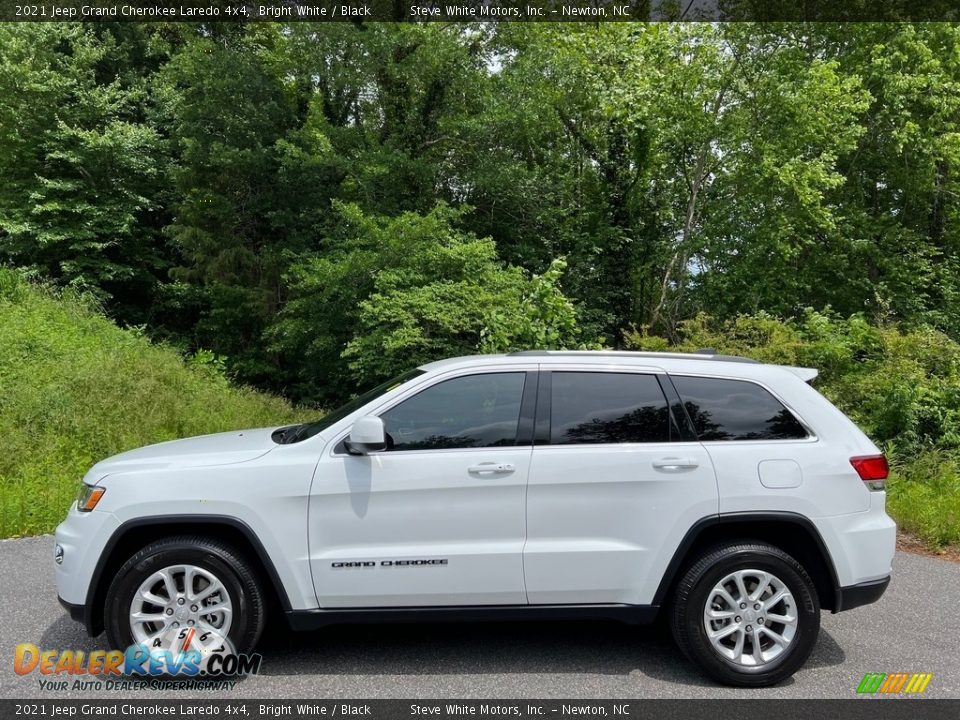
<point>491,468</point>
<point>675,463</point>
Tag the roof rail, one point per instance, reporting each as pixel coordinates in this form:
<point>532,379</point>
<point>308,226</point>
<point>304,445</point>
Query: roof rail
<point>703,354</point>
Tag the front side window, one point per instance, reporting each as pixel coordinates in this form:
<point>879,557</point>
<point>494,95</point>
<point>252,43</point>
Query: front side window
<point>735,410</point>
<point>602,407</point>
<point>465,412</point>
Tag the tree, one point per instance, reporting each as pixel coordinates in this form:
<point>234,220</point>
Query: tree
<point>223,104</point>
<point>83,171</point>
<point>554,163</point>
<point>747,134</point>
<point>412,289</point>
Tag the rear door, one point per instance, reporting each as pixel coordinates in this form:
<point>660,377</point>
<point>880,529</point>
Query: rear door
<point>615,482</point>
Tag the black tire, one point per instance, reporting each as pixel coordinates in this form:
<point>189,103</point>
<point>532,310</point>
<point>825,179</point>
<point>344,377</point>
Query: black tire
<point>694,589</point>
<point>223,560</point>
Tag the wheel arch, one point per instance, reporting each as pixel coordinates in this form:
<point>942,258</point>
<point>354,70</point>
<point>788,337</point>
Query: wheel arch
<point>791,532</point>
<point>135,534</point>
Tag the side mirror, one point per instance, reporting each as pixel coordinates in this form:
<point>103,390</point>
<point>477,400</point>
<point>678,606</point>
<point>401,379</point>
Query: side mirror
<point>366,436</point>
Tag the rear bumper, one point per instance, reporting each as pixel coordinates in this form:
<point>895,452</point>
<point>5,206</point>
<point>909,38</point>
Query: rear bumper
<point>861,545</point>
<point>853,596</point>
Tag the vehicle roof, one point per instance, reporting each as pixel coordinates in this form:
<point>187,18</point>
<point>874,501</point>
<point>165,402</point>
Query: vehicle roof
<point>705,361</point>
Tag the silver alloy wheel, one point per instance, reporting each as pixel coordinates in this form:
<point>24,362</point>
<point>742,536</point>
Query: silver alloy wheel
<point>750,617</point>
<point>181,597</point>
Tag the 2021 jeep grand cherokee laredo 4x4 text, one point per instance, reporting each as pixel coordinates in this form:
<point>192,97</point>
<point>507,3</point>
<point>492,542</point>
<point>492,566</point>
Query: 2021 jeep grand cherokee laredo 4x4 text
<point>727,495</point>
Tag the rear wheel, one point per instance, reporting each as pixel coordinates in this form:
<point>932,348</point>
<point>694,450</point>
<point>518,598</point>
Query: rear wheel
<point>183,584</point>
<point>746,613</point>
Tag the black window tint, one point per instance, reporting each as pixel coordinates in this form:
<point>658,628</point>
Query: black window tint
<point>466,412</point>
<point>735,410</point>
<point>607,408</point>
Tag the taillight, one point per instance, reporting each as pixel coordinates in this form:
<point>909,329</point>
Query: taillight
<point>872,469</point>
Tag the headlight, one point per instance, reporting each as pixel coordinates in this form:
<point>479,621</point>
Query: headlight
<point>88,497</point>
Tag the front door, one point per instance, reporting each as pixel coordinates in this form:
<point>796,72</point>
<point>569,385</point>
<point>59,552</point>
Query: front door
<point>437,518</point>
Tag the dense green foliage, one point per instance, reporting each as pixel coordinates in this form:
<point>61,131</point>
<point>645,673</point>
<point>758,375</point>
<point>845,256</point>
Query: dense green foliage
<point>901,387</point>
<point>315,207</point>
<point>226,185</point>
<point>412,289</point>
<point>74,388</point>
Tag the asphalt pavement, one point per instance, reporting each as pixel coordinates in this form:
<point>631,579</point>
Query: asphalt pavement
<point>914,628</point>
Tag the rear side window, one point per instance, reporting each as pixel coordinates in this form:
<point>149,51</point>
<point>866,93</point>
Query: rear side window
<point>607,408</point>
<point>735,410</point>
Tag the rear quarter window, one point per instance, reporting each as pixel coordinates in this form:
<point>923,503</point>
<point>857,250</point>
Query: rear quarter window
<point>735,410</point>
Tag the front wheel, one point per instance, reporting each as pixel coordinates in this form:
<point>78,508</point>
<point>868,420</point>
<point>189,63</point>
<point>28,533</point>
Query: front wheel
<point>746,613</point>
<point>188,589</point>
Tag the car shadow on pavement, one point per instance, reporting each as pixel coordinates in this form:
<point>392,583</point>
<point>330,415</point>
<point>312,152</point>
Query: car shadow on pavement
<point>583,647</point>
<point>65,634</point>
<point>605,648</point>
<point>461,648</point>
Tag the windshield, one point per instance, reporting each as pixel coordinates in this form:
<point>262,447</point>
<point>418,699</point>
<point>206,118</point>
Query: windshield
<point>308,430</point>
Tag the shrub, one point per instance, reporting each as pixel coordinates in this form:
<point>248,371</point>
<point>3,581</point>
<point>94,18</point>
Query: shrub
<point>411,289</point>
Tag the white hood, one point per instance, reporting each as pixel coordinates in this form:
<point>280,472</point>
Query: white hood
<point>204,451</point>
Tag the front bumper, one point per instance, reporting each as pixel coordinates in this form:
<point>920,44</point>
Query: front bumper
<point>81,539</point>
<point>78,613</point>
<point>853,596</point>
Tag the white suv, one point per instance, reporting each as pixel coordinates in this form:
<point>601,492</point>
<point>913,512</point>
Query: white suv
<point>726,495</point>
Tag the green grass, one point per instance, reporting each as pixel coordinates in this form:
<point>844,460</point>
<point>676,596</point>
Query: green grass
<point>75,388</point>
<point>924,497</point>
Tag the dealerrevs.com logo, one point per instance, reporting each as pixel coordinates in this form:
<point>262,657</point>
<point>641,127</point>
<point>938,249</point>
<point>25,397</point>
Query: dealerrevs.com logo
<point>184,653</point>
